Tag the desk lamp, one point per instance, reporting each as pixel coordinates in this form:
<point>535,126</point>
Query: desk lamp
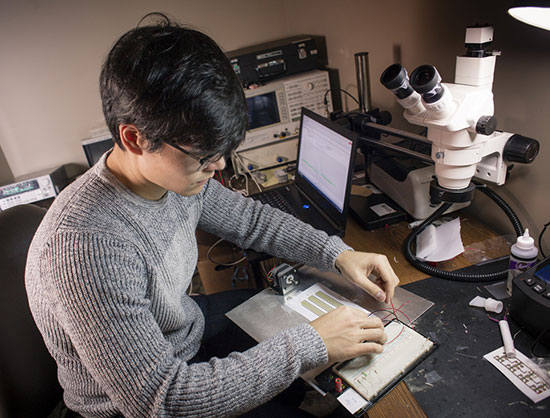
<point>532,12</point>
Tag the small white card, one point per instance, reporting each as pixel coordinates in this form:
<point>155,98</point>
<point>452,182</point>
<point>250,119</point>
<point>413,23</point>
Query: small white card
<point>382,209</point>
<point>522,372</point>
<point>352,401</point>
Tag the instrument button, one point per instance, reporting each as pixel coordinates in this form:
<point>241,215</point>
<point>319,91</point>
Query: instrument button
<point>538,288</point>
<point>530,281</point>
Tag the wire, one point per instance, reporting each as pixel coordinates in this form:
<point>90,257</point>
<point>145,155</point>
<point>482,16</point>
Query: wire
<point>540,239</point>
<point>244,191</point>
<point>393,311</point>
<point>325,101</point>
<point>249,160</point>
<point>233,263</point>
<point>397,336</point>
<point>504,317</point>
<point>403,313</point>
<point>243,165</point>
<point>234,177</point>
<point>537,341</point>
<point>221,178</point>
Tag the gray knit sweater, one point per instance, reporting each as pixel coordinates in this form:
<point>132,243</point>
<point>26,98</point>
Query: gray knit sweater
<point>106,278</point>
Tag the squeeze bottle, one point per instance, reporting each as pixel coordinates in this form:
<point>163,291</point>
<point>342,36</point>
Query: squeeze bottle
<point>523,255</point>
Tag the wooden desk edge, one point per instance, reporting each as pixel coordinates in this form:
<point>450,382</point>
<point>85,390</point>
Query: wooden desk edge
<point>400,402</point>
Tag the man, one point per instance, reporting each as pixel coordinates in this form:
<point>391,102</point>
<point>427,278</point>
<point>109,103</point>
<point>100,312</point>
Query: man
<point>109,266</point>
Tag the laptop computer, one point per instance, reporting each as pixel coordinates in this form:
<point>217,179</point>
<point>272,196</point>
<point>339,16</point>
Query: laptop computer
<point>320,192</point>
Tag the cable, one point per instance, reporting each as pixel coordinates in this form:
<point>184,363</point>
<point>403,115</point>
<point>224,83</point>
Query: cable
<point>221,178</point>
<point>537,342</point>
<point>265,277</point>
<point>325,101</point>
<point>540,239</point>
<point>244,191</point>
<point>243,165</point>
<point>393,311</point>
<point>233,263</point>
<point>516,334</point>
<point>453,275</point>
<point>250,160</point>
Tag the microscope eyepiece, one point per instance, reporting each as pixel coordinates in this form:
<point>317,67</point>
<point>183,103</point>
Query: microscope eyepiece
<point>427,81</point>
<point>396,79</point>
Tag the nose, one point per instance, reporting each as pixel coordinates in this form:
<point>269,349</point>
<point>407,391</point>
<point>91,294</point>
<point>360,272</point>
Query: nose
<point>218,165</point>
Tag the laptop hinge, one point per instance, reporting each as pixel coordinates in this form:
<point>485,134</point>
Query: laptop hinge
<point>319,210</point>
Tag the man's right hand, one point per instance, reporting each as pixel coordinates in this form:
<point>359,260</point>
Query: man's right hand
<point>349,332</point>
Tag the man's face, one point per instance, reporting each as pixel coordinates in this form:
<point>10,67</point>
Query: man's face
<point>171,169</point>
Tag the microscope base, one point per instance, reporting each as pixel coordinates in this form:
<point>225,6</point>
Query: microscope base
<point>411,194</point>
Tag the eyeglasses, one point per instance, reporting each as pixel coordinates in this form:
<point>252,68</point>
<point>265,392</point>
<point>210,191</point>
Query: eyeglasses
<point>203,161</point>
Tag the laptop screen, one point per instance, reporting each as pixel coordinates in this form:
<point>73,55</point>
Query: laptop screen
<point>324,159</point>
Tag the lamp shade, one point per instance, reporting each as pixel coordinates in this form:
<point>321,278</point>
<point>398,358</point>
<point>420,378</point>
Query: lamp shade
<point>532,12</point>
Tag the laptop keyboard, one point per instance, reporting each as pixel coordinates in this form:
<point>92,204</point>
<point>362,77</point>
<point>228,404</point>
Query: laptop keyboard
<point>273,198</point>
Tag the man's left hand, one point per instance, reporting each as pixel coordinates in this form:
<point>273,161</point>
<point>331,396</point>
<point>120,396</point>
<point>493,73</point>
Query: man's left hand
<point>356,266</point>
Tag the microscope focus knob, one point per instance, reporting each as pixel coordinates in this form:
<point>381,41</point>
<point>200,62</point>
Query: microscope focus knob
<point>486,125</point>
<point>521,149</point>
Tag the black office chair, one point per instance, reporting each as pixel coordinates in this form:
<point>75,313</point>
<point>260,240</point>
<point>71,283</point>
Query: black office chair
<point>28,374</point>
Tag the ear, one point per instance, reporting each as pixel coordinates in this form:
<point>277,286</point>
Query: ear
<point>131,139</point>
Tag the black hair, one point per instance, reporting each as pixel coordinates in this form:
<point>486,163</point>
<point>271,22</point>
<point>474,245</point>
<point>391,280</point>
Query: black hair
<point>175,85</point>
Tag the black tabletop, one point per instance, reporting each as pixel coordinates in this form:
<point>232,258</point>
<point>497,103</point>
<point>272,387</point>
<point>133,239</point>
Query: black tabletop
<point>455,380</point>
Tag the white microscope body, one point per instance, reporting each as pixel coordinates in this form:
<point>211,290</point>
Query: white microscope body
<point>460,119</point>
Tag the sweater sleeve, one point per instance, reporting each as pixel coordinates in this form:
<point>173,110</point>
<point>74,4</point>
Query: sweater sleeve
<point>251,224</point>
<point>99,282</point>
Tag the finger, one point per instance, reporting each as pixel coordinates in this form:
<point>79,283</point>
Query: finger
<point>371,288</point>
<point>388,288</point>
<point>389,278</point>
<point>374,335</point>
<point>371,321</point>
<point>369,348</point>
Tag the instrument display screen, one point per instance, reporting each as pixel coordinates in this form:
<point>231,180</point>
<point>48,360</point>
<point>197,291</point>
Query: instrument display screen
<point>18,188</point>
<point>262,110</point>
<point>544,273</point>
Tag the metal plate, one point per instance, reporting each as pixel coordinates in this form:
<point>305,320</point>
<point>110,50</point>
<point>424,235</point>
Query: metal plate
<point>266,314</point>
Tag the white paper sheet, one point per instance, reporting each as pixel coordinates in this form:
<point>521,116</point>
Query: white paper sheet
<point>440,243</point>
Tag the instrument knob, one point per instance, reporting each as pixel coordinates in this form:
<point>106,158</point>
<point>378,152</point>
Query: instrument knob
<point>521,149</point>
<point>486,125</point>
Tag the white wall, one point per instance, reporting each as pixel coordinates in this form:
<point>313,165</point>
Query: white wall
<point>51,54</point>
